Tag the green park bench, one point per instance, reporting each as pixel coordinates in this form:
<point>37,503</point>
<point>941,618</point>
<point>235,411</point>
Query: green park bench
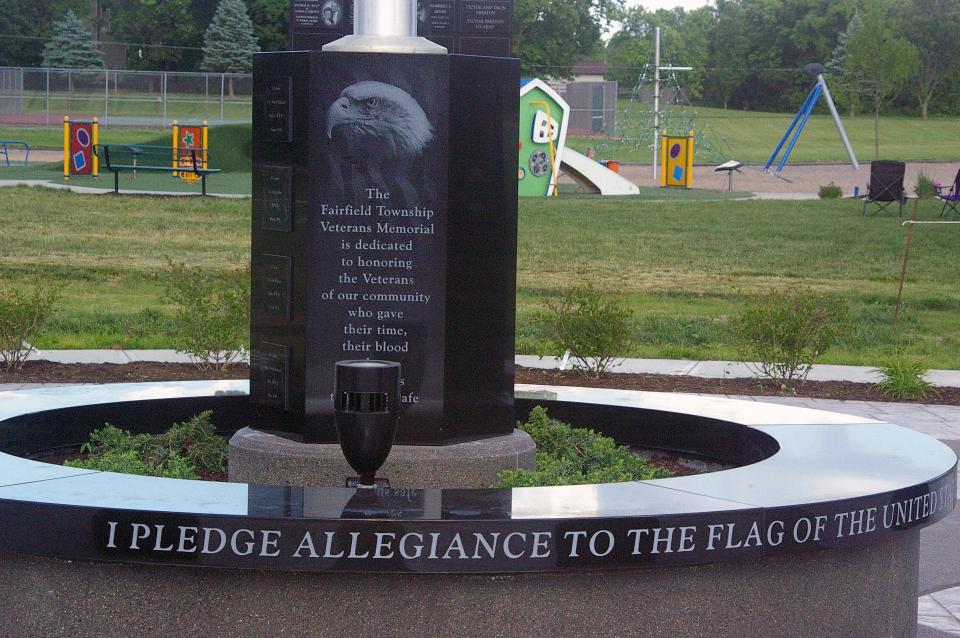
<point>118,158</point>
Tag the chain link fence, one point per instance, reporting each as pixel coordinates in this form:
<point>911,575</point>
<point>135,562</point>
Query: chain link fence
<point>42,97</point>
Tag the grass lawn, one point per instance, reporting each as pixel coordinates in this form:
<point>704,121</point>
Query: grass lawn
<point>110,252</point>
<point>752,136</point>
<point>683,268</point>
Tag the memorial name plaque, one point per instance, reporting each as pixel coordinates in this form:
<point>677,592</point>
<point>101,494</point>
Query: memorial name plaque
<point>485,18</point>
<point>272,277</point>
<point>271,376</point>
<point>314,23</point>
<point>275,198</point>
<point>277,109</point>
<point>437,17</point>
<point>305,14</point>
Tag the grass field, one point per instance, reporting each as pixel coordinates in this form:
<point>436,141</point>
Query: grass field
<point>752,136</point>
<point>682,268</point>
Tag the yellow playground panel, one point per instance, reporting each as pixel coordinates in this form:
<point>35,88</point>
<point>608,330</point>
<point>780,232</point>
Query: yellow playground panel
<point>676,165</point>
<point>187,138</point>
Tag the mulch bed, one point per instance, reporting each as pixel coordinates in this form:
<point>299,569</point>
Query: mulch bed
<point>744,387</point>
<point>47,372</point>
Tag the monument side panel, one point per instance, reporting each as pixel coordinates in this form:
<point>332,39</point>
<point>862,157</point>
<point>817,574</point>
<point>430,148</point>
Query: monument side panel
<point>378,221</point>
<point>482,239</point>
<point>280,177</point>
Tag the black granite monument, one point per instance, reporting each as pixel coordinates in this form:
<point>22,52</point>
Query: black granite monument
<point>384,227</point>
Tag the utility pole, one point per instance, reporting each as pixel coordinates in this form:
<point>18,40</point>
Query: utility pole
<point>656,96</point>
<point>656,100</point>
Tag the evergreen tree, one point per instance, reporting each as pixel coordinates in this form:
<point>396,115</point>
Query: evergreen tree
<point>229,43</point>
<point>71,46</point>
<point>841,76</point>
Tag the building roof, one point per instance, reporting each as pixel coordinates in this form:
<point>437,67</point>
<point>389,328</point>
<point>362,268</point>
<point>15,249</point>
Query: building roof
<point>589,67</point>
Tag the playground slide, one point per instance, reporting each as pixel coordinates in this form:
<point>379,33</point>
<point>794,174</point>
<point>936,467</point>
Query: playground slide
<point>594,177</point>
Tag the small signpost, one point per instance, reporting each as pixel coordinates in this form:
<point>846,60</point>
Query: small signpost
<point>186,139</point>
<point>79,139</point>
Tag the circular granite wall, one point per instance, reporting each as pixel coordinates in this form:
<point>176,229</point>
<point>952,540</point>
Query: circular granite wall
<point>863,591</point>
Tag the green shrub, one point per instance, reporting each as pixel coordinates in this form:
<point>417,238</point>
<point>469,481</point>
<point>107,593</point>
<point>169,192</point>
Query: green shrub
<point>23,315</point>
<point>903,379</point>
<point>212,321</point>
<point>783,333</point>
<point>926,187</point>
<point>575,456</point>
<point>178,453</point>
<point>129,462</point>
<point>595,328</point>
<point>830,191</point>
<point>197,441</point>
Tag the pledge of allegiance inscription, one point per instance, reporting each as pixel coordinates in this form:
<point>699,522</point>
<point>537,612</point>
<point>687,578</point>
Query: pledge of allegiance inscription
<point>376,274</point>
<point>510,545</point>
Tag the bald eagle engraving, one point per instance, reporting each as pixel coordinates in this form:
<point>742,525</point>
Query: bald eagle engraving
<point>382,130</point>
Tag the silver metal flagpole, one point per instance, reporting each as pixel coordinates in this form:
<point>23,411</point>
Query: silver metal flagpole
<point>385,26</point>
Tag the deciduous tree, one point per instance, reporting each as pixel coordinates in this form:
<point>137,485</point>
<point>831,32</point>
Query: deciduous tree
<point>26,27</point>
<point>932,26</point>
<point>550,36</point>
<point>883,59</point>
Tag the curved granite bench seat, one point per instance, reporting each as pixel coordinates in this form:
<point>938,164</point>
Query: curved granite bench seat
<point>827,501</point>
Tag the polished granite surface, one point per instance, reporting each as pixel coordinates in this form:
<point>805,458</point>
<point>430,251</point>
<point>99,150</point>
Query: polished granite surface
<point>816,480</point>
<point>823,457</point>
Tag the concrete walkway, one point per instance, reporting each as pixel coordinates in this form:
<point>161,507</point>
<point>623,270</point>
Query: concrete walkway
<point>939,586</point>
<point>737,370</point>
<point>91,190</point>
<point>675,367</point>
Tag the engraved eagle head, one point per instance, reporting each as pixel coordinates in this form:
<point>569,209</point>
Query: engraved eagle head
<point>380,118</point>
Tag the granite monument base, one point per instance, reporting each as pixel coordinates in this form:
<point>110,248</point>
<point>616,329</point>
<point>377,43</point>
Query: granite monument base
<point>280,458</point>
<point>861,591</point>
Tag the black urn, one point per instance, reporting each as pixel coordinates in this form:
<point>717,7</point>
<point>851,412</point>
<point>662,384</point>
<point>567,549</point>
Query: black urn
<point>367,410</point>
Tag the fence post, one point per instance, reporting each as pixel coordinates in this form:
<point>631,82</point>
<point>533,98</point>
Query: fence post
<point>106,95</point>
<point>221,98</point>
<point>46,103</point>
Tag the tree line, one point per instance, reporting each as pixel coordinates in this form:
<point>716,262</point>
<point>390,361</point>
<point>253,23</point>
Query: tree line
<point>750,53</point>
<point>745,54</point>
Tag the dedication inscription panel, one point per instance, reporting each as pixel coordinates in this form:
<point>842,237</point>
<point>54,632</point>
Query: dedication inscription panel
<point>377,259</point>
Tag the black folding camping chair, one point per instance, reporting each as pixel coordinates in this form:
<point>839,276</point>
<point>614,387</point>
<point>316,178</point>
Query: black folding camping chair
<point>886,186</point>
<point>950,199</point>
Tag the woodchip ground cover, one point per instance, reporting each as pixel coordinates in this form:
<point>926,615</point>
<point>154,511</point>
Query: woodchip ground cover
<point>751,136</point>
<point>683,267</point>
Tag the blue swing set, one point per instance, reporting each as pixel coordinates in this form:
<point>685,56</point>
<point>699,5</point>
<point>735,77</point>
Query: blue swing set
<point>800,121</point>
